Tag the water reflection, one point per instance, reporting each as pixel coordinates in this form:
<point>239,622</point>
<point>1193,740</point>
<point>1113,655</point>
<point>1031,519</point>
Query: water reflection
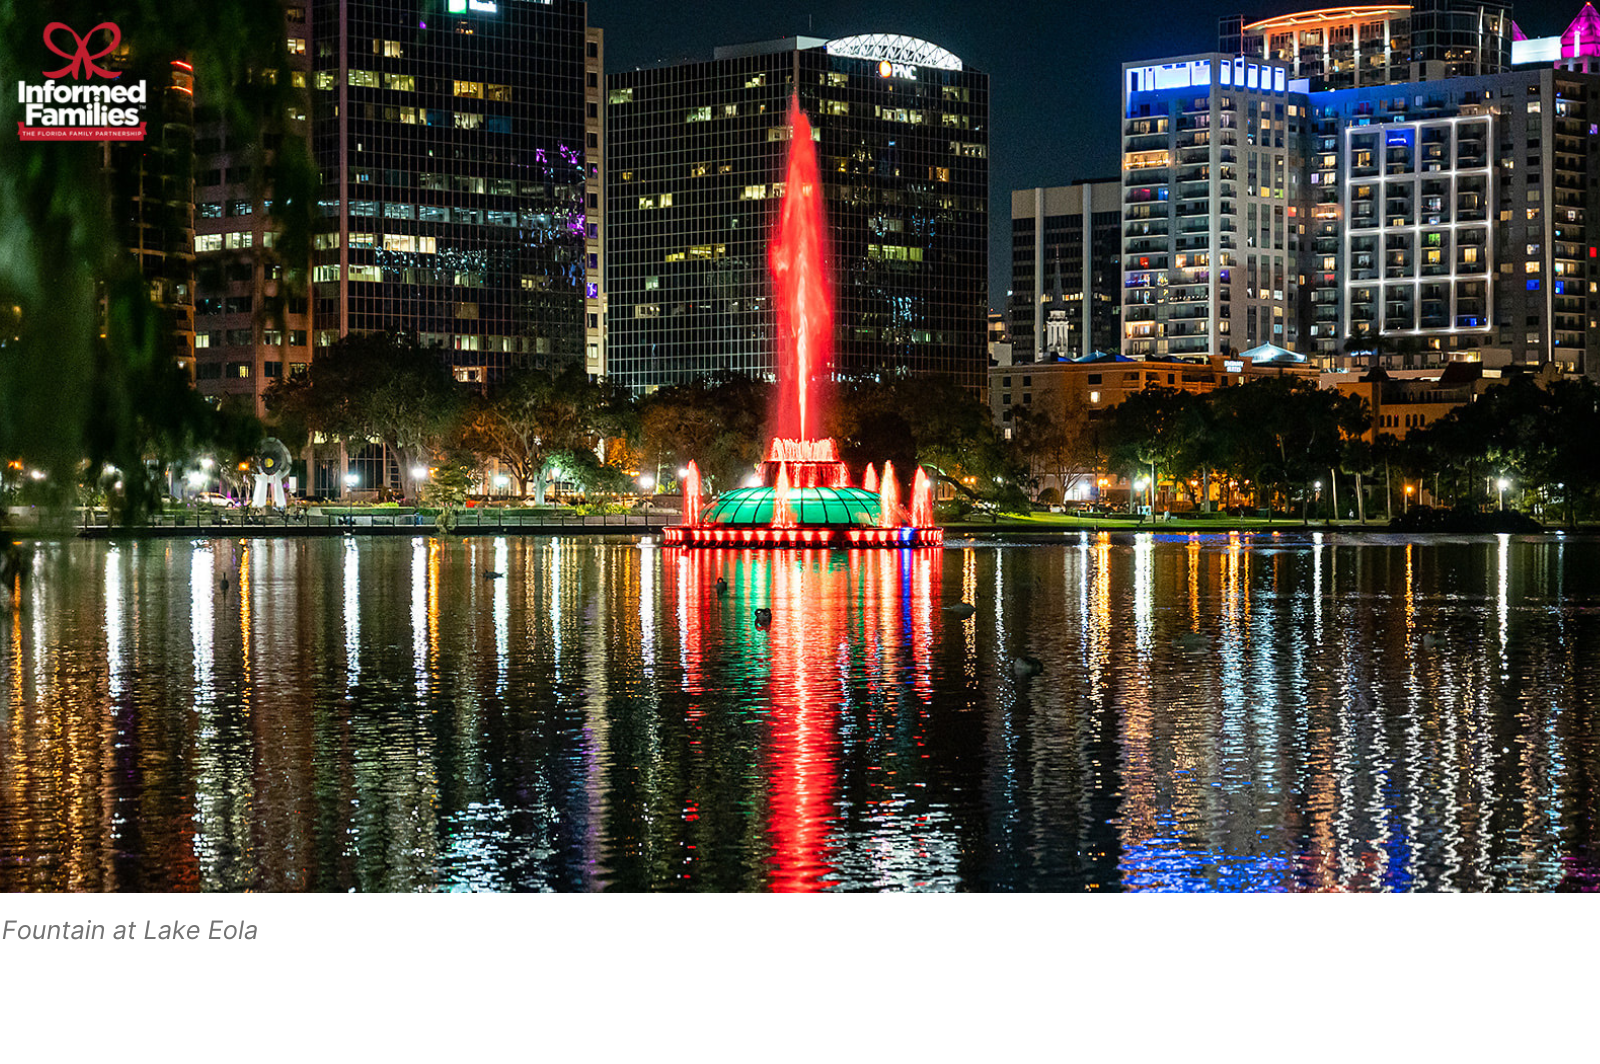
<point>1216,713</point>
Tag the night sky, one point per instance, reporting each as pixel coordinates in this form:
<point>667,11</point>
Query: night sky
<point>1054,67</point>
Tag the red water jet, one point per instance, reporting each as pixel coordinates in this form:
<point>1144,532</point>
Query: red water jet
<point>798,259</point>
<point>691,495</point>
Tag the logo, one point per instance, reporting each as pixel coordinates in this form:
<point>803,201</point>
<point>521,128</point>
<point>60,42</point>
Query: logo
<point>886,69</point>
<point>82,57</point>
<point>56,110</point>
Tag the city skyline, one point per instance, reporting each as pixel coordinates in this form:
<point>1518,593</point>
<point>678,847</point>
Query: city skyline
<point>1017,43</point>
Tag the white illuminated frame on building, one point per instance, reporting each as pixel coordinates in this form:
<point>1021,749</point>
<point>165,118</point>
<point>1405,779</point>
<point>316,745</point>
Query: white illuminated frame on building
<point>896,48</point>
<point>1381,231</point>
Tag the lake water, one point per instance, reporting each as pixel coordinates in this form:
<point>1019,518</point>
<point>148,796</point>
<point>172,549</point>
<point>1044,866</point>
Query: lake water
<point>1215,713</point>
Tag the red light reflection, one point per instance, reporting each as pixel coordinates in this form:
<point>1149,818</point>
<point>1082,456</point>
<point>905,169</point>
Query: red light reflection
<point>835,616</point>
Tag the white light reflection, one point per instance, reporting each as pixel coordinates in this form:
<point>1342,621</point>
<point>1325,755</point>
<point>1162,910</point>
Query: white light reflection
<point>419,612</point>
<point>352,613</point>
<point>202,623</point>
<point>1502,600</point>
<point>554,560</point>
<point>1316,587</point>
<point>1000,603</point>
<point>648,559</point>
<point>502,614</point>
<point>1143,598</point>
<point>114,662</point>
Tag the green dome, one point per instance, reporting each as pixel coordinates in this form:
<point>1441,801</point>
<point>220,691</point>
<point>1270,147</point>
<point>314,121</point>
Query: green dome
<point>838,507</point>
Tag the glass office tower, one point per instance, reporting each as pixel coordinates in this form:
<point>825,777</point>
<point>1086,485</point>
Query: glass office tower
<point>696,155</point>
<point>455,158</point>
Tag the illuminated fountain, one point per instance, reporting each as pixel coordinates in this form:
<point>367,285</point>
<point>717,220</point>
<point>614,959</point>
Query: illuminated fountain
<point>804,498</point>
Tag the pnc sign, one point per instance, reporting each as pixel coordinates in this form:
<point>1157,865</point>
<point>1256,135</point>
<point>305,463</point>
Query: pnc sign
<point>887,69</point>
<point>83,109</point>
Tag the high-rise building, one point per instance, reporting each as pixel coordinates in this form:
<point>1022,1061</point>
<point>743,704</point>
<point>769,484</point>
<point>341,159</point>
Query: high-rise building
<point>1213,196</point>
<point>1066,270</point>
<point>1453,220</point>
<point>151,193</point>
<point>696,157</point>
<point>1376,44</point>
<point>455,163</point>
<point>249,330</point>
<point>594,252</point>
<point>458,144</point>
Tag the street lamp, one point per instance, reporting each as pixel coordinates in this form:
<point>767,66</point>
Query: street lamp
<point>1409,489</point>
<point>1502,484</point>
<point>1139,486</point>
<point>647,482</point>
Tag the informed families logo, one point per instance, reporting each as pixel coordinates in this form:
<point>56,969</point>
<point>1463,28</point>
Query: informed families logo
<point>56,110</point>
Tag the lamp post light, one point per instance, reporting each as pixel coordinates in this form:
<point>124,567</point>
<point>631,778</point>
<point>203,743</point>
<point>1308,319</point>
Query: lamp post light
<point>1316,500</point>
<point>1502,484</point>
<point>350,481</point>
<point>1139,486</point>
<point>647,483</point>
<point>1409,489</point>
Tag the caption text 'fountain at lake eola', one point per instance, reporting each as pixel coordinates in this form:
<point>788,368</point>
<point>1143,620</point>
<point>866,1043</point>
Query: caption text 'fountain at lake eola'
<point>805,498</point>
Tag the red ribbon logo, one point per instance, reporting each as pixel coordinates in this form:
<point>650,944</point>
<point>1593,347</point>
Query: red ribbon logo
<point>82,58</point>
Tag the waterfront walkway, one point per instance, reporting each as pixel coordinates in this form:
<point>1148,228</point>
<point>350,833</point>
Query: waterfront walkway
<point>316,523</point>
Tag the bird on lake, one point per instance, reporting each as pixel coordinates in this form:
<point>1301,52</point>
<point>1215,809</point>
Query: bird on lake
<point>224,583</point>
<point>490,574</point>
<point>1431,641</point>
<point>961,609</point>
<point>1022,665</point>
<point>763,617</point>
<point>722,586</point>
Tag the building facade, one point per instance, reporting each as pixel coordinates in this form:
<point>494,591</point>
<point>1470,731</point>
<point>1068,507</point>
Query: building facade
<point>1066,270</point>
<point>1376,44</point>
<point>249,330</point>
<point>1452,220</point>
<point>1213,196</point>
<point>459,146</point>
<point>697,156</point>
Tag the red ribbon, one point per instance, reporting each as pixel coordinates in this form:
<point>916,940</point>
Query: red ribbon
<point>82,58</point>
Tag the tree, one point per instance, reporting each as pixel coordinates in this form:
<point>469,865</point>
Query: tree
<point>68,395</point>
<point>1057,440</point>
<point>1284,430</point>
<point>1153,428</point>
<point>719,423</point>
<point>377,386</point>
<point>539,420</point>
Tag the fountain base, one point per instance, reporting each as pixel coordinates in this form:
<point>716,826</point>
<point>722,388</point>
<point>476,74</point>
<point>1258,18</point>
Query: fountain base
<point>806,500</point>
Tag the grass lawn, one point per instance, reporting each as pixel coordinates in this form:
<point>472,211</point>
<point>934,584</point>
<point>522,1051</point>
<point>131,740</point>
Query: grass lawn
<point>1179,522</point>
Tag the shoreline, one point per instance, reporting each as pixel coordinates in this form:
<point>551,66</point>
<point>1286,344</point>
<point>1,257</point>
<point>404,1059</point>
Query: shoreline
<point>954,534</point>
